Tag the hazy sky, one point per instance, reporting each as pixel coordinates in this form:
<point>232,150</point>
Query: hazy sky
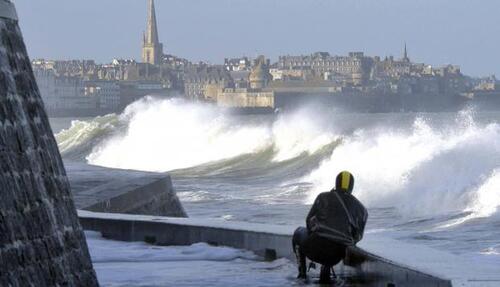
<point>463,32</point>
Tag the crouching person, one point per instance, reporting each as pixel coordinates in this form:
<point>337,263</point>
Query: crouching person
<point>336,220</point>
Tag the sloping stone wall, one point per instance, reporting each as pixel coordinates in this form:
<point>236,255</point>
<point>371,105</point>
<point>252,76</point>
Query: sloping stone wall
<point>41,240</point>
<point>102,189</point>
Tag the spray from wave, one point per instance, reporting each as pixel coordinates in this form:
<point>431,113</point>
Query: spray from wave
<point>163,135</point>
<point>484,201</point>
<point>423,171</point>
<point>301,132</point>
<point>76,141</point>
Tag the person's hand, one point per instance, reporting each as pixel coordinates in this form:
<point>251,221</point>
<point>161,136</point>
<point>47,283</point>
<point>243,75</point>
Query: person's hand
<point>313,223</point>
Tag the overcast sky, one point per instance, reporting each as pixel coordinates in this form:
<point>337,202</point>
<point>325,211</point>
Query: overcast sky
<point>463,32</point>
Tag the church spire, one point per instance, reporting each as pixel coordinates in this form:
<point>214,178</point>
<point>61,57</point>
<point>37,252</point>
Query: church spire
<point>152,49</point>
<point>405,54</point>
<point>152,30</point>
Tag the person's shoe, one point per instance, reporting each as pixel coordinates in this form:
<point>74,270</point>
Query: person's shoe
<point>302,276</point>
<point>334,275</point>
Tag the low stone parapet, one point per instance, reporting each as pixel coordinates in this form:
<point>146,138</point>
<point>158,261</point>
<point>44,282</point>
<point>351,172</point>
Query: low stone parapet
<point>269,241</point>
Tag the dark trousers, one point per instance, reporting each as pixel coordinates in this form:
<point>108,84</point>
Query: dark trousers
<point>317,249</point>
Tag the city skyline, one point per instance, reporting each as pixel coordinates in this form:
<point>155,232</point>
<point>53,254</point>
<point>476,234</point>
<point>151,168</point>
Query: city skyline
<point>114,32</point>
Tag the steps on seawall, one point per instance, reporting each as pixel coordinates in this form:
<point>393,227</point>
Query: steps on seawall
<point>269,241</point>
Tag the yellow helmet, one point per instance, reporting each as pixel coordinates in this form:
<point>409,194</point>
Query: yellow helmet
<point>344,182</point>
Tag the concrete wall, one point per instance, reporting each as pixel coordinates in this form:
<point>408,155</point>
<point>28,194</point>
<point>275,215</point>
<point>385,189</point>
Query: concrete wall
<point>270,241</point>
<point>102,189</point>
<point>41,240</point>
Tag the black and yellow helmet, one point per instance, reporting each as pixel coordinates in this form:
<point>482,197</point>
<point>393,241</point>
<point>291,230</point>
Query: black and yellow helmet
<point>344,182</point>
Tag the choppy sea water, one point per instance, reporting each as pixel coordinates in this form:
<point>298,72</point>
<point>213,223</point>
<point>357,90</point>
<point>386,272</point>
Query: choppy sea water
<point>430,179</point>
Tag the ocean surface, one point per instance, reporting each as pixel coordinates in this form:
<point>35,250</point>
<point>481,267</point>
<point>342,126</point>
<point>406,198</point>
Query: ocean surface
<point>427,179</point>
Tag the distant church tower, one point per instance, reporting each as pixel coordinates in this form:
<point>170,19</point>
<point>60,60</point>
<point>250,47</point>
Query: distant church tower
<point>405,55</point>
<point>152,49</point>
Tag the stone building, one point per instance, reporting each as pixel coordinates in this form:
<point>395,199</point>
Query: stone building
<point>61,92</point>
<point>354,68</point>
<point>131,91</point>
<point>79,90</point>
<point>452,80</point>
<point>487,84</point>
<point>41,240</point>
<point>291,75</point>
<point>245,98</point>
<point>259,76</point>
<point>70,94</point>
<point>83,85</point>
<point>46,80</point>
<point>254,96</point>
<point>86,69</point>
<point>152,49</point>
<point>240,78</point>
<point>393,68</point>
<point>237,64</point>
<point>174,71</point>
<point>118,70</point>
<point>485,93</point>
<point>200,77</point>
<point>106,93</point>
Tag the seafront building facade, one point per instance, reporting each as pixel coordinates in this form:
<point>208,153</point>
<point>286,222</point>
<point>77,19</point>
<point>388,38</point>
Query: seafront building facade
<point>354,68</point>
<point>355,80</point>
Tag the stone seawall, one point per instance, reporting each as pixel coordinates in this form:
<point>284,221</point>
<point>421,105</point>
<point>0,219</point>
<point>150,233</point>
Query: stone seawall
<point>111,190</point>
<point>270,241</point>
<point>41,240</point>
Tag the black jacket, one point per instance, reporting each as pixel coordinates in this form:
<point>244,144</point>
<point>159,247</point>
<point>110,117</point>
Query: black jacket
<point>338,216</point>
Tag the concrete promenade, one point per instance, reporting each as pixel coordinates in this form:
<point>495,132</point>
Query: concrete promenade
<point>269,241</point>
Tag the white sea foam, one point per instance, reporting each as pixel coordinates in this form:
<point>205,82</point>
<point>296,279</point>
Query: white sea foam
<point>162,135</point>
<point>82,134</point>
<point>424,171</point>
<point>484,201</point>
<point>138,264</point>
<point>494,251</point>
<point>105,251</point>
<point>300,132</point>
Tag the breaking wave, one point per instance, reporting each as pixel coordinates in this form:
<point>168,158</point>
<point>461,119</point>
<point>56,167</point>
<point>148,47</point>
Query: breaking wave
<point>163,135</point>
<point>80,138</point>
<point>422,169</point>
